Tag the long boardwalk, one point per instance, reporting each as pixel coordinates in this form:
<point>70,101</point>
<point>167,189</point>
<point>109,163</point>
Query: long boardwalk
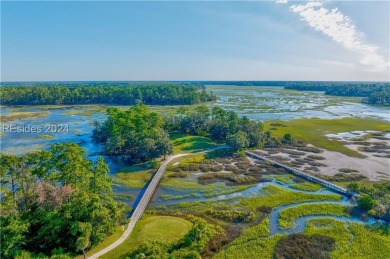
<point>140,207</point>
<point>304,175</point>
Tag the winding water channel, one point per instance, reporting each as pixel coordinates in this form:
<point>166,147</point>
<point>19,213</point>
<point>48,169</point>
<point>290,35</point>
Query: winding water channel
<point>299,224</point>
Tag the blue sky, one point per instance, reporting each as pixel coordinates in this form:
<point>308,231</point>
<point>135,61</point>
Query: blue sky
<point>265,40</point>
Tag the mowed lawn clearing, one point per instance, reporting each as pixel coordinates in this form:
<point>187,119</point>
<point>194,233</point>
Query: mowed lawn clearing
<point>161,228</point>
<point>314,130</point>
<point>183,143</point>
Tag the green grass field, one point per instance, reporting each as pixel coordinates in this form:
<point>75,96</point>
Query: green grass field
<point>314,130</point>
<point>190,144</point>
<point>161,228</point>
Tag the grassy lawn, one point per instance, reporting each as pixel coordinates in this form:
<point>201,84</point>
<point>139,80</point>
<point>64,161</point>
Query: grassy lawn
<point>314,130</point>
<point>288,216</point>
<point>162,228</point>
<point>183,143</point>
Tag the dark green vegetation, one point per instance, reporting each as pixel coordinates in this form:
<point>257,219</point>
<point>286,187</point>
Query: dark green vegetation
<point>375,93</point>
<point>303,246</point>
<point>219,125</point>
<point>128,94</point>
<point>55,202</point>
<point>136,134</point>
<point>374,199</point>
<point>378,97</point>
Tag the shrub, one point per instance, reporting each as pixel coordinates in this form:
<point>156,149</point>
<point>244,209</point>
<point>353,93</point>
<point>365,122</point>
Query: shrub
<point>302,246</point>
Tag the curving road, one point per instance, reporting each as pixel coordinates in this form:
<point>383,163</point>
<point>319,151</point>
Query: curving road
<point>137,213</point>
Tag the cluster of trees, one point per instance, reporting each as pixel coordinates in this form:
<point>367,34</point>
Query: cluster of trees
<point>379,97</point>
<point>55,202</point>
<point>130,94</point>
<point>374,199</point>
<point>218,124</point>
<point>190,246</point>
<point>136,134</point>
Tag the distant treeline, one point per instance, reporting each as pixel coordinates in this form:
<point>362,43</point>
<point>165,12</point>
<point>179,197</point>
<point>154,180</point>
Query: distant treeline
<point>374,93</point>
<point>299,85</point>
<point>121,94</point>
<point>379,97</point>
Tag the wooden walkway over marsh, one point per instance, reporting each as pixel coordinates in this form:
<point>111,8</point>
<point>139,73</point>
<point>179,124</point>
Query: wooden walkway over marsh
<point>306,176</point>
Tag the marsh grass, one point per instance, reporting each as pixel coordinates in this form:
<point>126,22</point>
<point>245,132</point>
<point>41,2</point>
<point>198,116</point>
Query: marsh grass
<point>24,115</point>
<point>136,176</point>
<point>353,240</point>
<point>314,130</point>
<point>288,216</point>
<point>273,196</point>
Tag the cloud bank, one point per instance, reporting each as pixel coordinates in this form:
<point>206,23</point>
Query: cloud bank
<point>339,28</point>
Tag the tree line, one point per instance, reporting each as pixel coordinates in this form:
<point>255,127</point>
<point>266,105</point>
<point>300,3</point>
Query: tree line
<point>130,94</point>
<point>222,126</point>
<point>55,203</point>
<point>379,97</point>
<point>374,93</point>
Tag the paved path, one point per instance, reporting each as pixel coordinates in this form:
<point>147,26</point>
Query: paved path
<point>137,213</point>
<point>305,175</point>
<point>139,210</point>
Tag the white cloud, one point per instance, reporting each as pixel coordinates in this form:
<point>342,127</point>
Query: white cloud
<point>281,1</point>
<point>340,29</point>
